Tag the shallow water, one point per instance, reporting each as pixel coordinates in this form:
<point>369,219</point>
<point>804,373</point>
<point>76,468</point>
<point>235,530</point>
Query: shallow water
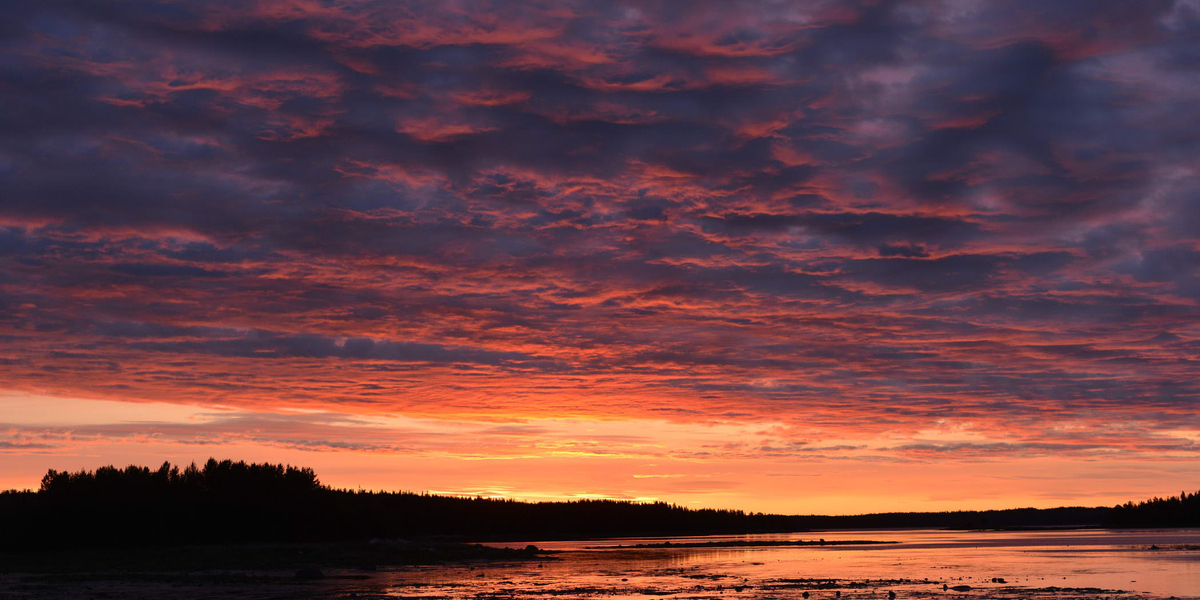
<point>1043,565</point>
<point>1110,560</point>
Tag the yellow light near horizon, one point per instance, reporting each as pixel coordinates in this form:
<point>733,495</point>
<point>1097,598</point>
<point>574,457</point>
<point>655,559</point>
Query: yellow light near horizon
<point>753,466</point>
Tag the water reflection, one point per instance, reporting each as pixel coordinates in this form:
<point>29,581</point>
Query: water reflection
<point>1160,562</point>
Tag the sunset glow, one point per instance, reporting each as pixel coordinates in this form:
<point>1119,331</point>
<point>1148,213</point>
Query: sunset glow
<point>798,257</point>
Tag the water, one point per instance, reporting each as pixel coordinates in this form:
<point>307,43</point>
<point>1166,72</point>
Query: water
<point>1039,565</point>
<point>917,565</point>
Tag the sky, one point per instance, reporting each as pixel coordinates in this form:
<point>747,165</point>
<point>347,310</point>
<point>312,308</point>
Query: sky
<point>799,257</point>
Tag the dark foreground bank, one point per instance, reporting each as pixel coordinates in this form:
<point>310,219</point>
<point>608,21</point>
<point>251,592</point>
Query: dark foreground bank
<point>301,560</point>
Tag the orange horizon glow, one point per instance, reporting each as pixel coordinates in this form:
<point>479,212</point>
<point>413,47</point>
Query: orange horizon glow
<point>709,465</point>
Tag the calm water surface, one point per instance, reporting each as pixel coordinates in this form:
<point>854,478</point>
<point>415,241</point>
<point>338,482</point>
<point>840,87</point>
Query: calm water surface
<point>1044,565</point>
<point>917,565</point>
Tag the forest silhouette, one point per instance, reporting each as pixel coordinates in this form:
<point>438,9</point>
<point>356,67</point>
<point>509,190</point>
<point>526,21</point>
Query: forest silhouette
<point>229,501</point>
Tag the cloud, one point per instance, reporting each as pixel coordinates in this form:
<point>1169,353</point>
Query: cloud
<point>869,214</point>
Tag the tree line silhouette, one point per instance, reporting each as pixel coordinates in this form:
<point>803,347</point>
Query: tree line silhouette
<point>1183,511</point>
<point>238,502</point>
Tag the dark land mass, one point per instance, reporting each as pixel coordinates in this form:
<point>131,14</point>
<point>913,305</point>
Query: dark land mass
<point>227,502</point>
<point>146,562</point>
